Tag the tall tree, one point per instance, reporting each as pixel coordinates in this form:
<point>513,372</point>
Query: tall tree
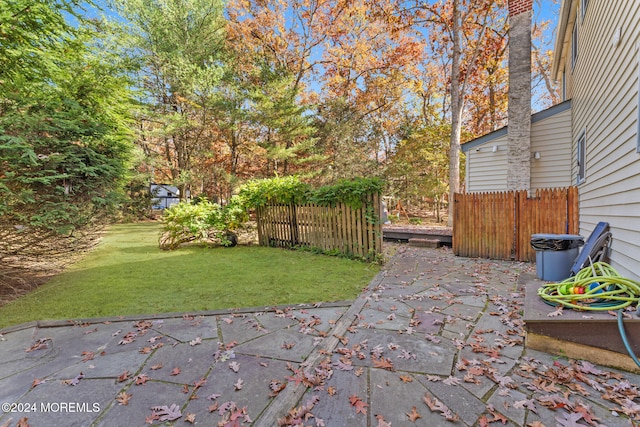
<point>181,46</point>
<point>458,30</point>
<point>64,122</point>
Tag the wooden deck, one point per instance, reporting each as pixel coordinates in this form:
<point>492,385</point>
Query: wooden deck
<point>403,234</point>
<point>588,335</point>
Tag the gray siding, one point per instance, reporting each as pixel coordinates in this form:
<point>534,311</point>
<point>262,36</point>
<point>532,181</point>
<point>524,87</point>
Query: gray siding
<point>605,106</point>
<point>486,169</point>
<point>551,137</point>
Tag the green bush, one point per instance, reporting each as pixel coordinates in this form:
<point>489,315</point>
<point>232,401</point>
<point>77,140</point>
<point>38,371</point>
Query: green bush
<point>290,189</point>
<point>202,222</point>
<point>259,192</point>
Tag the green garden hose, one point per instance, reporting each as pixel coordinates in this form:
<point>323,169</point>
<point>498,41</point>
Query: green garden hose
<point>603,289</point>
<point>600,288</point>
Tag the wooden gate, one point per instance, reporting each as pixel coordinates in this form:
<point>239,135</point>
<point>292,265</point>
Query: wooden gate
<point>499,225</point>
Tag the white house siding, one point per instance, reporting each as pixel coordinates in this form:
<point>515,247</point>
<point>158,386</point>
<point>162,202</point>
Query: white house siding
<point>605,106</point>
<point>486,170</point>
<point>551,137</point>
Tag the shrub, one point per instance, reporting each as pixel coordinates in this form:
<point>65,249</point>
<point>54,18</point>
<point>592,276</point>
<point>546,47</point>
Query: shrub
<point>202,222</point>
<point>290,189</point>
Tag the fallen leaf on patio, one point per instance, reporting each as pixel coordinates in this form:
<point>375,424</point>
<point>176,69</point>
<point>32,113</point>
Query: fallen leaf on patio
<point>39,345</point>
<point>342,366</point>
<point>295,416</point>
<point>145,350</point>
<point>128,338</point>
<point>276,387</point>
<point>526,403</point>
<point>156,367</point>
<point>406,378</point>
<point>185,388</point>
<point>199,384</point>
<point>497,416</point>
<point>288,345</point>
<point>376,352</point>
<point>141,379</point>
<point>23,422</point>
<point>404,354</point>
<point>358,372</point>
<point>175,371</point>
<point>360,406</point>
<point>543,385</point>
<point>630,408</point>
<point>331,391</point>
<point>190,418</point>
<point>589,368</point>
<point>476,370</point>
<point>123,376</point>
<point>87,355</point>
<point>413,415</point>
<point>123,398</point>
<point>36,382</point>
<point>570,420</point>
<point>238,385</point>
<point>536,424</point>
<point>383,363</point>
<point>437,406</point>
<point>166,413</point>
<point>557,312</point>
<point>554,401</point>
<point>195,341</point>
<point>74,381</point>
<point>382,422</point>
<point>452,381</point>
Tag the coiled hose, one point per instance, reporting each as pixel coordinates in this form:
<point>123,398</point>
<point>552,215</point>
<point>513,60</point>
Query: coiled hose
<point>597,287</point>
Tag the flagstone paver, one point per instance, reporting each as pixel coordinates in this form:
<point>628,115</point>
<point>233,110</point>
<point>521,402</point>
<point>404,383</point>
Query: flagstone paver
<point>434,340</point>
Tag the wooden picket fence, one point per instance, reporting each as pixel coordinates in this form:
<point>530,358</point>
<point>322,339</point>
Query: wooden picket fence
<point>339,228</point>
<point>499,225</point>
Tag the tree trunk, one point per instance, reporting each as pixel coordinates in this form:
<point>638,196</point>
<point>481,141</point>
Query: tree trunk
<point>457,104</point>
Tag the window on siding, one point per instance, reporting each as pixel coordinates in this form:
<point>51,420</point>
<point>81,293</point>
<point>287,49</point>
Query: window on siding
<point>574,45</point>
<point>581,157</point>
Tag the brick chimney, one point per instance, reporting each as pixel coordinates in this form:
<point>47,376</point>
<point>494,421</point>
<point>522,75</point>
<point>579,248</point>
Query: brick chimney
<point>519,108</point>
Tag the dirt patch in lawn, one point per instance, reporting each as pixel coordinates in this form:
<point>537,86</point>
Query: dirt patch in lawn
<point>27,262</point>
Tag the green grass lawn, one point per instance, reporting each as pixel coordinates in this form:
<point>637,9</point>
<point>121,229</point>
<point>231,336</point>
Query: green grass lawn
<point>127,274</point>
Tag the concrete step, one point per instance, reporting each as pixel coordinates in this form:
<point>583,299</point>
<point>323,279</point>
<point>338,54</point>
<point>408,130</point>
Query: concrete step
<point>424,243</point>
<point>587,335</point>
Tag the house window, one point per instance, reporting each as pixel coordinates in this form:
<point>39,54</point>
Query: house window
<point>574,45</point>
<point>581,157</point>
<point>583,7</point>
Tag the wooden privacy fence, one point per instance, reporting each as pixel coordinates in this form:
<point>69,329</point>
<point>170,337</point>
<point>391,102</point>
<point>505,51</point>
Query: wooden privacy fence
<point>500,225</point>
<point>341,228</point>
